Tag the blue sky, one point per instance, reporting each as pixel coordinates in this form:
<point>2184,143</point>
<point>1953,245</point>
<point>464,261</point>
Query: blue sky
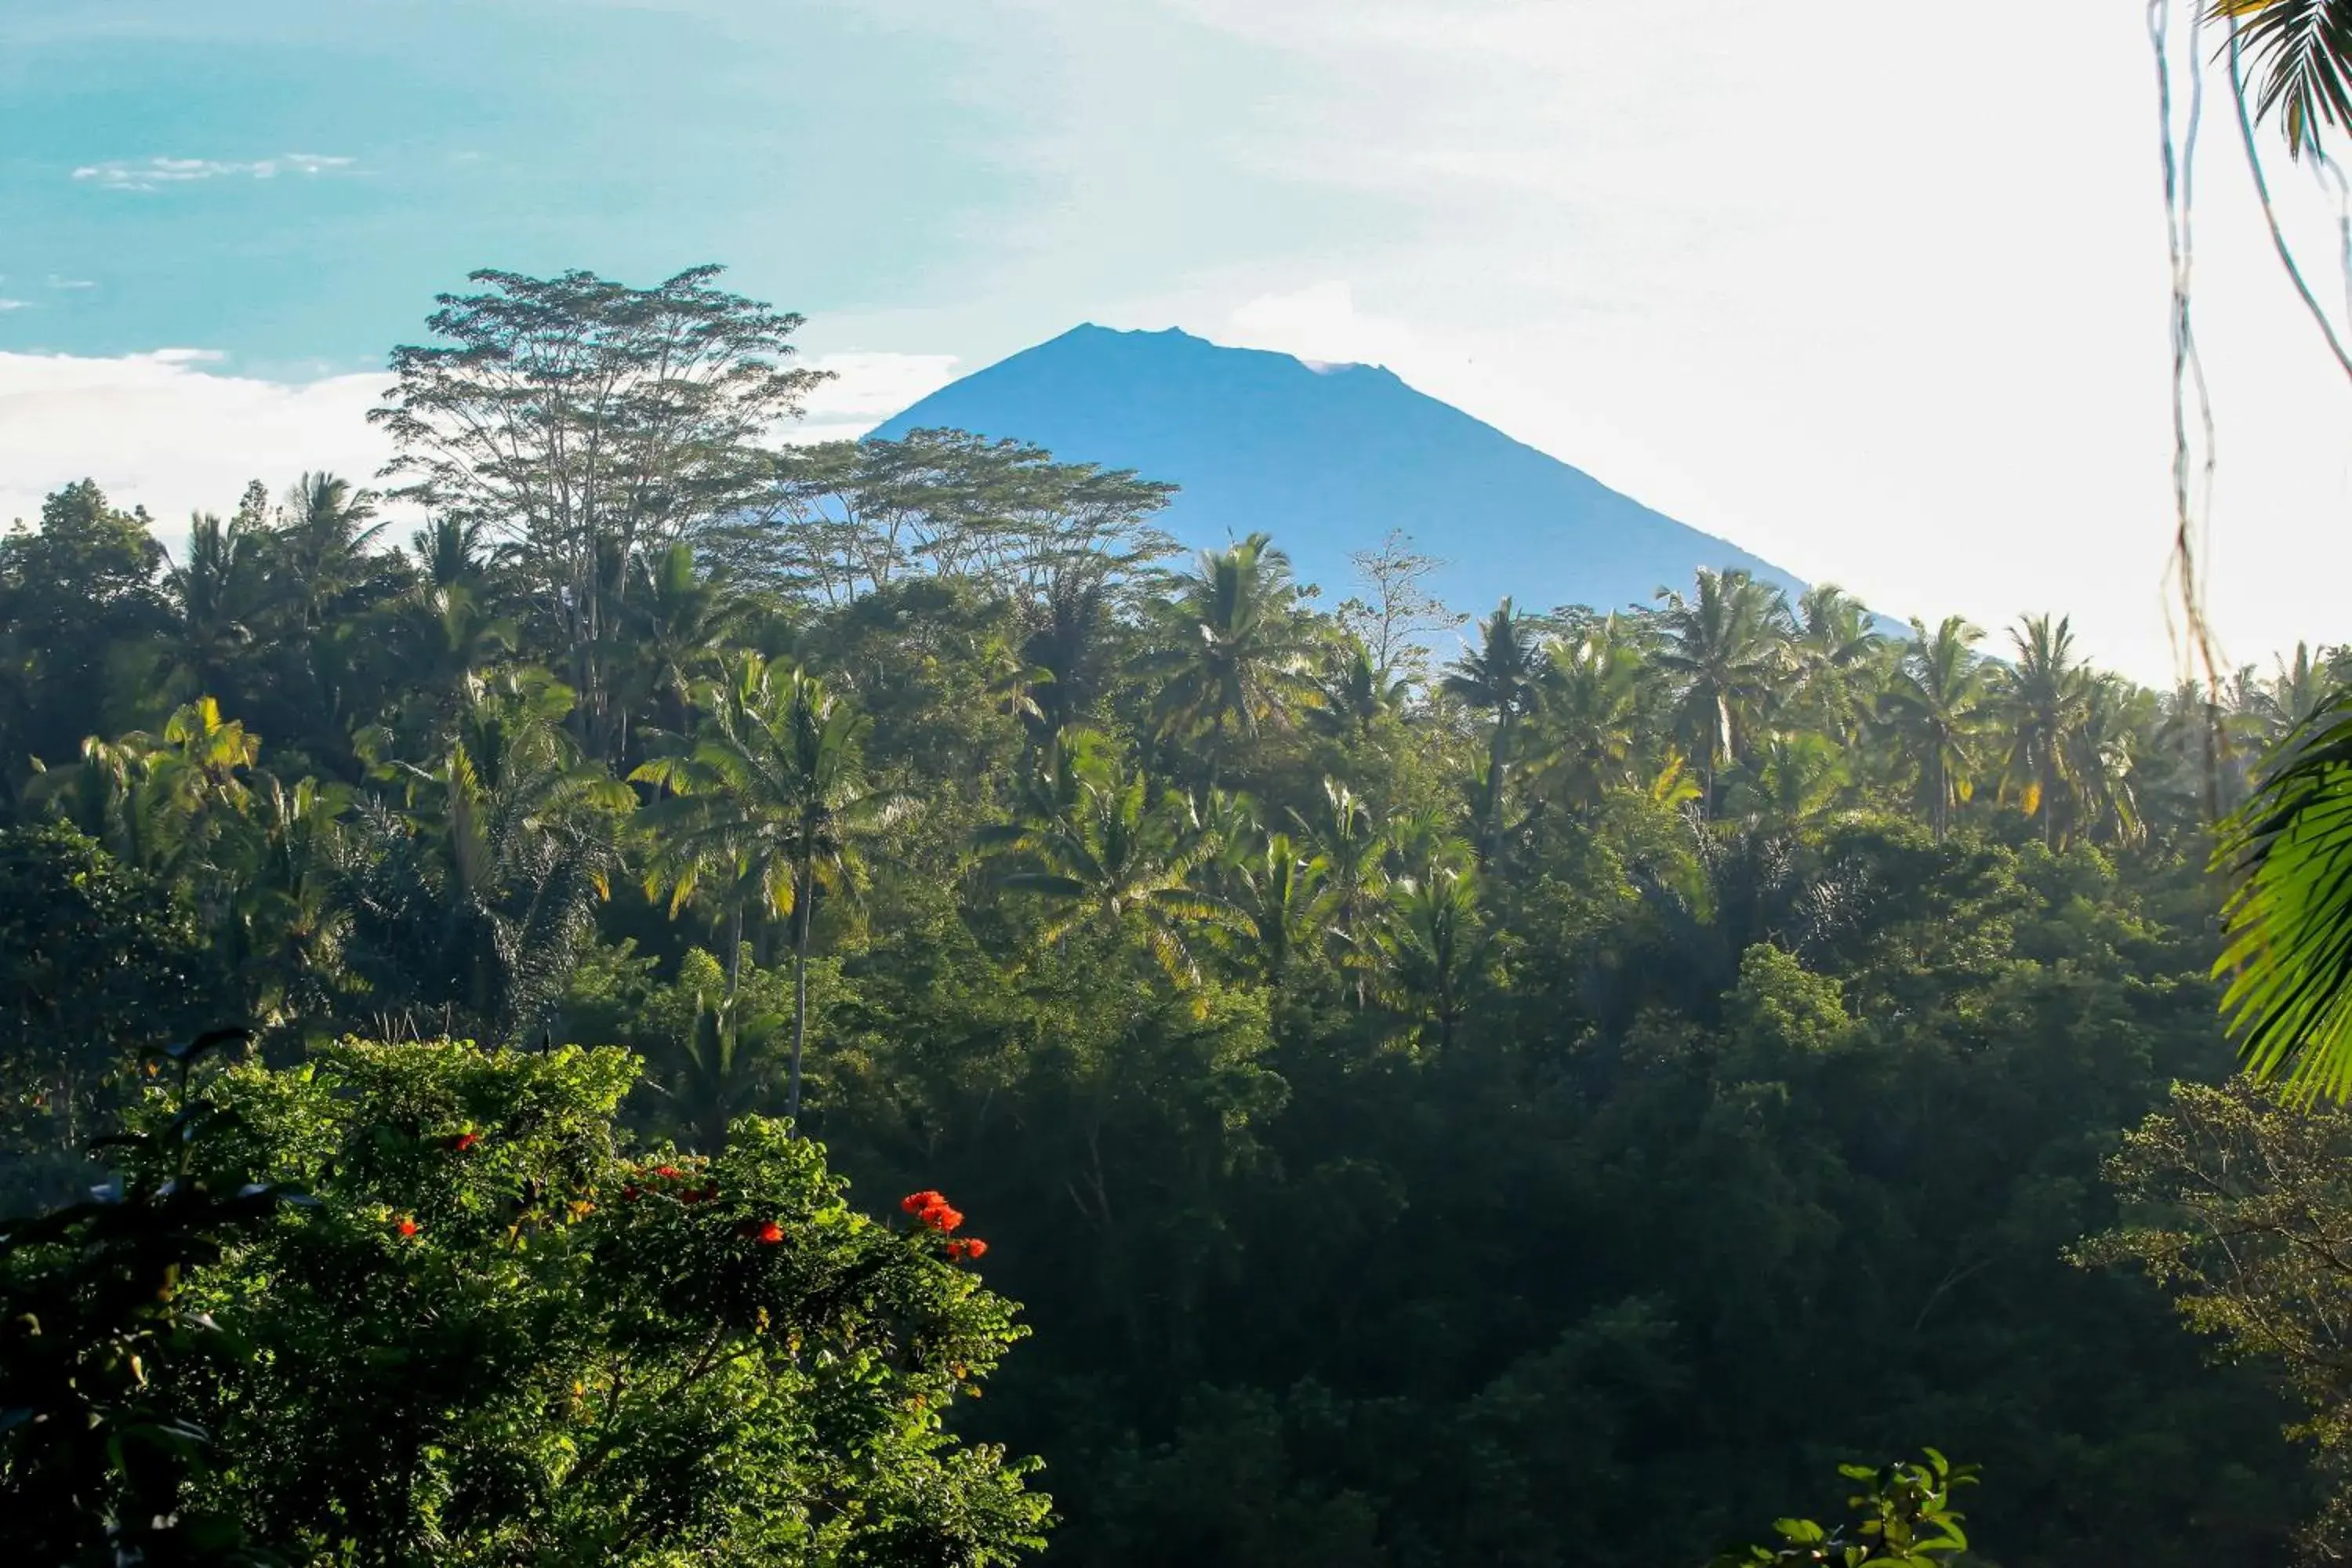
<point>878,167</point>
<point>1899,328</point>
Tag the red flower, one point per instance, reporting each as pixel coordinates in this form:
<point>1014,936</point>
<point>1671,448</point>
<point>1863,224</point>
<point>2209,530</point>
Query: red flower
<point>406,1226</point>
<point>942,1218</point>
<point>768,1234</point>
<point>464,1140</point>
<point>916,1202</point>
<point>667,1172</point>
<point>691,1196</point>
<point>967,1246</point>
<point>629,1195</point>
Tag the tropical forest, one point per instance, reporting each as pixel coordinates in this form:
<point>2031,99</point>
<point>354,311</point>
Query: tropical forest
<point>627,990</point>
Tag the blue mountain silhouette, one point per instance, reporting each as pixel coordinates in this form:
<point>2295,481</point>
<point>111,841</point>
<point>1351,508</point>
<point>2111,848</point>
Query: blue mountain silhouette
<point>1328,459</point>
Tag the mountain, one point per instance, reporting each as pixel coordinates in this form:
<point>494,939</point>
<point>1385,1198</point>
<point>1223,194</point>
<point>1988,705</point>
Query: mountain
<point>1328,459</point>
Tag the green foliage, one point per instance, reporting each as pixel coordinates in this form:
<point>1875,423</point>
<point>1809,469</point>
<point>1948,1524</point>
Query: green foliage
<point>1904,1519</point>
<point>99,1462</point>
<point>2289,960</point>
<point>1435,1108</point>
<point>491,1336</point>
<point>2238,1201</point>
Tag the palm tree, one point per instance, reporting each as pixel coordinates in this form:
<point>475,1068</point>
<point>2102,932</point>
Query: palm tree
<point>1104,855</point>
<point>1498,677</point>
<point>216,594</point>
<point>1344,838</point>
<point>2274,709</point>
<point>472,897</point>
<point>2101,759</point>
<point>1357,693</point>
<point>319,549</point>
<point>1728,651</point>
<point>1235,653</point>
<point>1934,709</point>
<point>1589,706</point>
<point>1434,945</point>
<point>1791,780</point>
<point>2042,699</point>
<point>773,801</point>
<point>1289,904</point>
<point>160,804</point>
<point>2289,919</point>
<point>452,554</point>
<point>678,617</point>
<point>1070,646</point>
<point>1835,642</point>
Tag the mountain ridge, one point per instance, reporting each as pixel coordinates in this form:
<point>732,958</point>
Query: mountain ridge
<point>1327,457</point>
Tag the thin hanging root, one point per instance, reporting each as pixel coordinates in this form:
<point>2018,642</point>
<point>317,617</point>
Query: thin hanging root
<point>2190,506</point>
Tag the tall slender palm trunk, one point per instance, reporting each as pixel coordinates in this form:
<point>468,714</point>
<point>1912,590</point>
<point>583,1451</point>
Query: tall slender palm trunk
<point>801,912</point>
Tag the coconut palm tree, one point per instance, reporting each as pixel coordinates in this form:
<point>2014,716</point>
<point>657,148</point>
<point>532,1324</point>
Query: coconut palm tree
<point>677,618</point>
<point>1588,705</point>
<point>1835,646</point>
<point>1105,854</point>
<point>1289,903</point>
<point>1499,676</point>
<point>320,549</point>
<point>2102,759</point>
<point>471,896</point>
<point>1434,945</point>
<point>2041,700</point>
<point>1934,709</point>
<point>1234,653</point>
<point>1344,836</point>
<point>216,595</point>
<point>1790,781</point>
<point>1727,650</point>
<point>1357,693</point>
<point>770,804</point>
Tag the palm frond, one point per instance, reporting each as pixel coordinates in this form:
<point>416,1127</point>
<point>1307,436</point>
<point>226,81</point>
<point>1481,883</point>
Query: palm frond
<point>2302,51</point>
<point>2289,920</point>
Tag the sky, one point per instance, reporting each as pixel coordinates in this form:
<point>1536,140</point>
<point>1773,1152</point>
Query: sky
<point>1883,304</point>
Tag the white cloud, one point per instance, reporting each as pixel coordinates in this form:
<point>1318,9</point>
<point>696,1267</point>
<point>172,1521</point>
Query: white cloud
<point>154,174</point>
<point>14,304</point>
<point>58,282</point>
<point>169,430</point>
<point>1901,328</point>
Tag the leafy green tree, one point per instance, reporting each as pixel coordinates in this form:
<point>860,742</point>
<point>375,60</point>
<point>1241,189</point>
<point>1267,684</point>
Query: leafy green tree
<point>493,1335</point>
<point>2235,1203</point>
<point>74,590</point>
<point>98,961</point>
<point>591,422</point>
<point>1904,1518</point>
<point>99,1463</point>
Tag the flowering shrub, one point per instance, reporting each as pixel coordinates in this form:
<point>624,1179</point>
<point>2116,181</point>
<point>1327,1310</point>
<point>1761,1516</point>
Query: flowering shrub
<point>754,1371</point>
